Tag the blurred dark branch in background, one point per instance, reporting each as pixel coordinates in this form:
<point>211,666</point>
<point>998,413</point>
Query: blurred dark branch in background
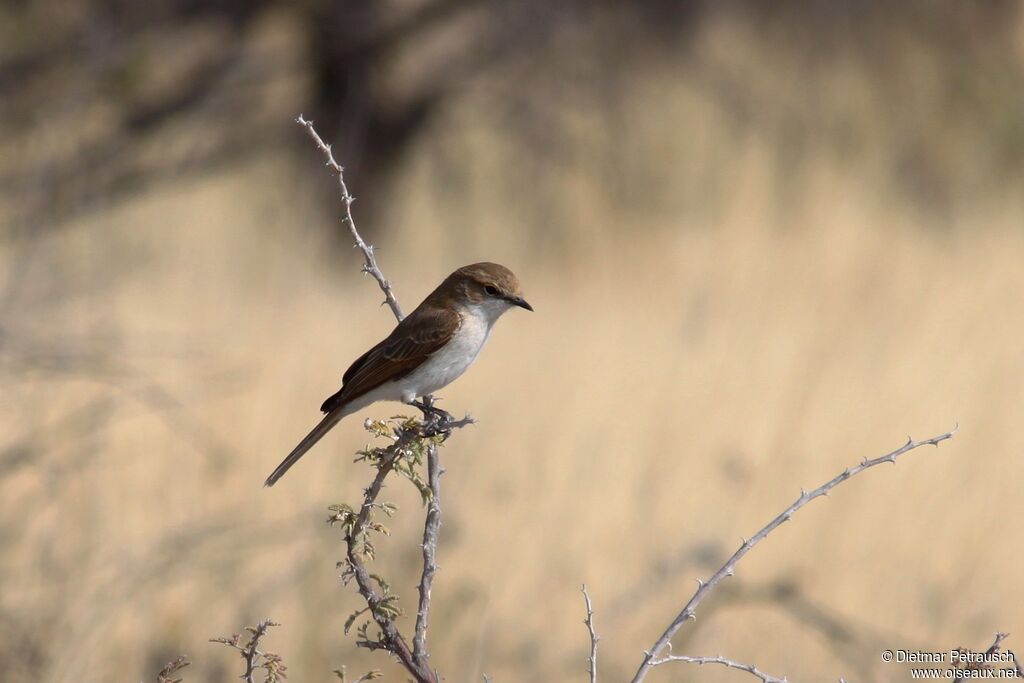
<point>118,84</point>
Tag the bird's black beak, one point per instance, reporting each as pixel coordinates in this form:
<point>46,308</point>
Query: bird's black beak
<point>520,302</point>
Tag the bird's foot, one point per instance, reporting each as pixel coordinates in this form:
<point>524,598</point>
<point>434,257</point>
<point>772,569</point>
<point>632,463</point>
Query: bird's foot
<point>437,422</point>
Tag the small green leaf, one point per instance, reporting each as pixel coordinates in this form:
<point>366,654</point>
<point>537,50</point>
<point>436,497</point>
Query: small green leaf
<point>352,618</point>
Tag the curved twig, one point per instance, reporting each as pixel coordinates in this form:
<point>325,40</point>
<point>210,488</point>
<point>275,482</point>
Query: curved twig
<point>653,657</point>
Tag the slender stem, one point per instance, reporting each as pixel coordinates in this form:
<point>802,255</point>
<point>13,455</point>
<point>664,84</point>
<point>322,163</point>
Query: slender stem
<point>653,657</point>
<point>749,668</point>
<point>370,261</point>
<point>589,621</point>
<point>431,529</point>
<point>251,653</point>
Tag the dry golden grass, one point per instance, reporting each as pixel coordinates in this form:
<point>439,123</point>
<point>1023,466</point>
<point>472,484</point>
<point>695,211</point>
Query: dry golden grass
<point>685,373</point>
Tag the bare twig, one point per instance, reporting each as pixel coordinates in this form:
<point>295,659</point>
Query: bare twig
<point>370,262</point>
<point>589,621</point>
<point>653,657</point>
<point>749,668</point>
<point>431,528</point>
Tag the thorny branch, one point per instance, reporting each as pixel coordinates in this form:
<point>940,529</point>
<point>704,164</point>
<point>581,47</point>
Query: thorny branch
<point>653,657</point>
<point>409,439</point>
<point>431,529</point>
<point>433,429</point>
<point>589,621</point>
<point>379,602</point>
<point>370,261</point>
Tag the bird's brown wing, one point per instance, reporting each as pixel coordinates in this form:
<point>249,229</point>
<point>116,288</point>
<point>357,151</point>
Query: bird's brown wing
<point>414,340</point>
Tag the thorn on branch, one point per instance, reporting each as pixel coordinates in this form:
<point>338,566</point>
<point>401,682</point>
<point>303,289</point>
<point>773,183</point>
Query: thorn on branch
<point>370,262</point>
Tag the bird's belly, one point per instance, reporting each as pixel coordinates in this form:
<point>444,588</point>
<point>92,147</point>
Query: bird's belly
<point>448,363</point>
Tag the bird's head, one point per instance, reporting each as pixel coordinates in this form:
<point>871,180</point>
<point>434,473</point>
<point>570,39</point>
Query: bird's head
<point>490,286</point>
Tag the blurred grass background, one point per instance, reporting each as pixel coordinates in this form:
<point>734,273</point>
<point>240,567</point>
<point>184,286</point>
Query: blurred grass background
<point>763,242</point>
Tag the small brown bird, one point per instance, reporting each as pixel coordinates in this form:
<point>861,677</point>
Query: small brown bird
<point>427,351</point>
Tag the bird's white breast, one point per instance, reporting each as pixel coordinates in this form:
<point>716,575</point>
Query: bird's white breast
<point>449,362</point>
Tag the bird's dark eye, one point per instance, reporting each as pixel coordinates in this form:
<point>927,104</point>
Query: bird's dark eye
<point>491,290</point>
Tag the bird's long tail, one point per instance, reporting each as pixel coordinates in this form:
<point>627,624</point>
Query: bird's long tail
<point>330,419</point>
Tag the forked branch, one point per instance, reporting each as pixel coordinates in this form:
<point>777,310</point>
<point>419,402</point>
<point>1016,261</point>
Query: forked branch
<point>255,658</point>
<point>655,656</point>
<point>376,592</point>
